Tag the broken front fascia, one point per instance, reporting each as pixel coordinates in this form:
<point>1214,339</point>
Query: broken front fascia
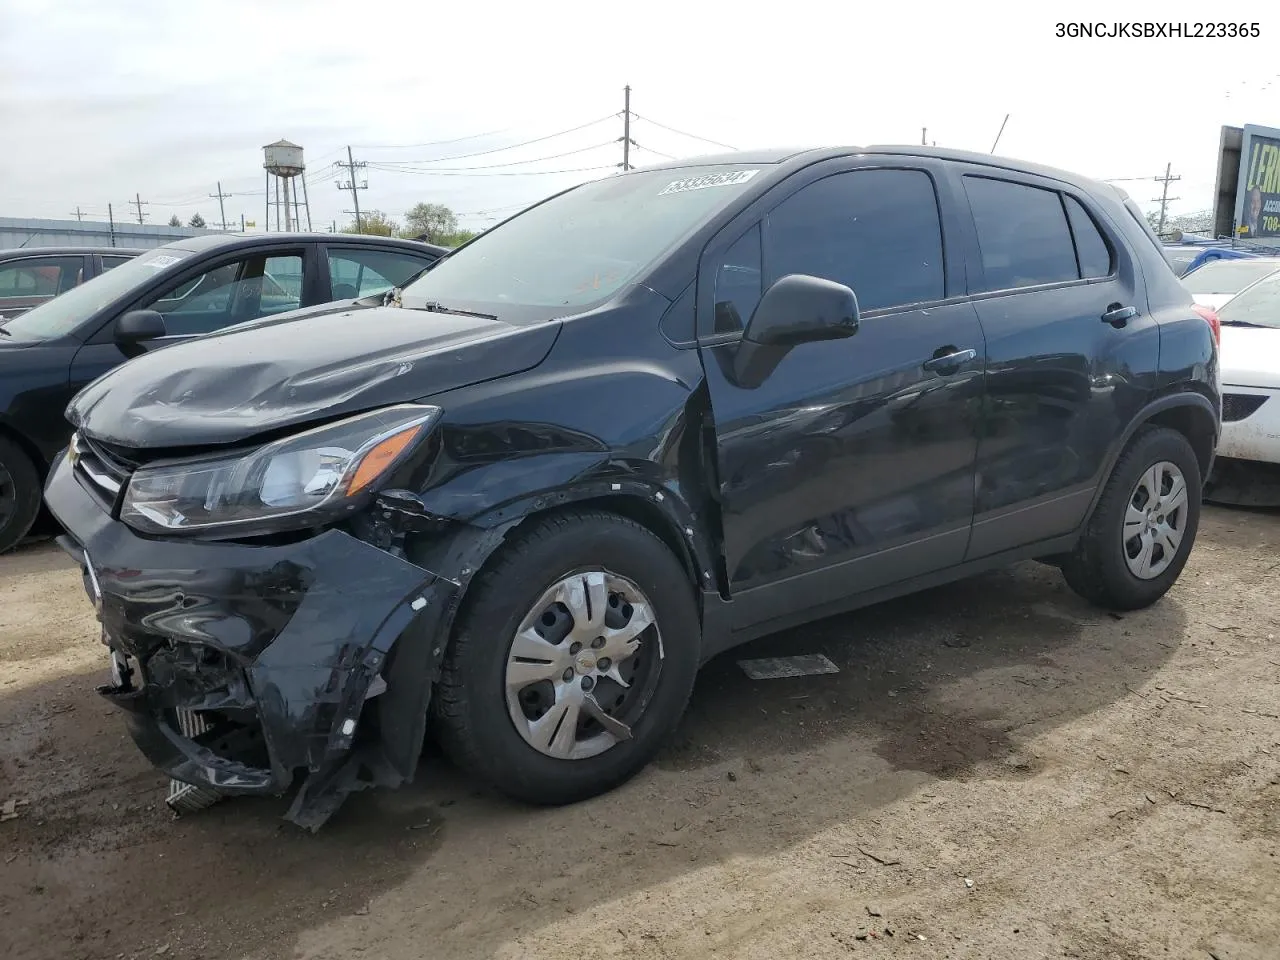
<point>277,647</point>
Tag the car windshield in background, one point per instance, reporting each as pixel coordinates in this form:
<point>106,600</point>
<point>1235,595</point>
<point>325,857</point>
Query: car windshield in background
<point>580,248</point>
<point>1258,306</point>
<point>64,313</point>
<point>1227,276</point>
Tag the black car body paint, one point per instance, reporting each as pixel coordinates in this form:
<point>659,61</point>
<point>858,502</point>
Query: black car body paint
<point>812,493</point>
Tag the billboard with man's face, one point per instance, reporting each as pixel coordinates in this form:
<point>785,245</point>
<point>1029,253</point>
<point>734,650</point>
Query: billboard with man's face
<point>1257,211</point>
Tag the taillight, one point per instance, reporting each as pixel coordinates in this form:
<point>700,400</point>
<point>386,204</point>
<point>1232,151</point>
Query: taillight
<point>1211,317</point>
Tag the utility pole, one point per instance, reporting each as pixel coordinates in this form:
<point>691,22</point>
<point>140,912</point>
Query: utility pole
<point>140,203</point>
<point>923,139</point>
<point>111,222</point>
<point>222,213</point>
<point>241,219</point>
<point>79,216</point>
<point>1165,199</point>
<point>351,167</point>
<point>627,142</point>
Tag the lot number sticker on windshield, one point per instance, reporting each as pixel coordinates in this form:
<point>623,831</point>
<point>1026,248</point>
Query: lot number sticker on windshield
<point>710,180</point>
<point>164,260</point>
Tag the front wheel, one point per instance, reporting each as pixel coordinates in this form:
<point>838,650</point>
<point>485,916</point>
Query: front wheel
<point>19,494</point>
<point>1141,533</point>
<point>573,660</point>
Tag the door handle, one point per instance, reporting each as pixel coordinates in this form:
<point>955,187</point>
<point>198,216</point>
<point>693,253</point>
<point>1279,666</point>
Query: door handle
<point>949,363</point>
<point>1118,316</point>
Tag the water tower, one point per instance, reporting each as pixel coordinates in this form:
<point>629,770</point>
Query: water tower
<point>283,163</point>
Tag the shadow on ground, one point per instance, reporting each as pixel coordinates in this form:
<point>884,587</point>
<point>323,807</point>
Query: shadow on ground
<point>945,684</point>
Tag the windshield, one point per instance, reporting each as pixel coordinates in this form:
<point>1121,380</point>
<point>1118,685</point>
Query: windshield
<point>1227,276</point>
<point>581,247</point>
<point>1257,306</point>
<point>64,313</point>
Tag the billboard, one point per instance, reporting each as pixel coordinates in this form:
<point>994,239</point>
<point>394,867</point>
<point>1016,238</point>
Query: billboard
<point>1248,189</point>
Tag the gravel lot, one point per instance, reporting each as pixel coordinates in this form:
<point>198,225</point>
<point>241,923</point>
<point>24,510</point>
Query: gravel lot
<point>998,771</point>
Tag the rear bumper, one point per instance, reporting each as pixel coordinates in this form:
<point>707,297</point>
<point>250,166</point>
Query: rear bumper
<point>309,661</point>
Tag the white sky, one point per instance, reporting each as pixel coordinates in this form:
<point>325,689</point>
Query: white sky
<point>102,100</point>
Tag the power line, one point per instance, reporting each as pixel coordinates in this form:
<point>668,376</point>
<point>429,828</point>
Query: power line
<point>513,146</point>
<point>641,146</point>
<point>395,164</point>
<point>432,143</point>
<point>509,173</point>
<point>691,136</point>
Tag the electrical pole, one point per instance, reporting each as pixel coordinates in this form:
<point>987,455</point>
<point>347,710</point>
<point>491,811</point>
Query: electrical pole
<point>241,219</point>
<point>923,139</point>
<point>222,213</point>
<point>1165,199</point>
<point>139,203</point>
<point>79,216</point>
<point>351,167</point>
<point>111,221</point>
<point>627,142</point>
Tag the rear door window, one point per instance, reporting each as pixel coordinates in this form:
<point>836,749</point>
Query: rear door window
<point>1022,234</point>
<point>33,277</point>
<point>1092,251</point>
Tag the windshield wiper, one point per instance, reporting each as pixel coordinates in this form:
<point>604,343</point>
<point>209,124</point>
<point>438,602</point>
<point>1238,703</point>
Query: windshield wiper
<point>1239,323</point>
<point>434,306</point>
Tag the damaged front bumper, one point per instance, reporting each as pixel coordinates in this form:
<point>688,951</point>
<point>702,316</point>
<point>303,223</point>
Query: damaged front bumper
<point>247,669</point>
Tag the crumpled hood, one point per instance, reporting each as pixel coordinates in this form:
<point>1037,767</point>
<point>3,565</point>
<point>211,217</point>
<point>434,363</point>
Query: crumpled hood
<point>1250,357</point>
<point>228,387</point>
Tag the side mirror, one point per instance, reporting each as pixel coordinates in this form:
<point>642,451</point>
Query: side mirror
<point>796,309</point>
<point>138,325</point>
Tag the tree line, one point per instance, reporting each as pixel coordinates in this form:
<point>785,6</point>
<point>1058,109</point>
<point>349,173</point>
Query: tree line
<point>432,222</point>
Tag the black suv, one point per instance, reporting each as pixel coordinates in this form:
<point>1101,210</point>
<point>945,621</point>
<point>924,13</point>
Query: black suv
<point>154,299</point>
<point>640,423</point>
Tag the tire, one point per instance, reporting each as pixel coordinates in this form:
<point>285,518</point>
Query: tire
<point>19,494</point>
<point>1099,569</point>
<point>491,726</point>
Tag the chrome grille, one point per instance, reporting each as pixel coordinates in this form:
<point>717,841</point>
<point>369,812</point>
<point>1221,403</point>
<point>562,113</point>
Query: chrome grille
<point>1237,406</point>
<point>104,473</point>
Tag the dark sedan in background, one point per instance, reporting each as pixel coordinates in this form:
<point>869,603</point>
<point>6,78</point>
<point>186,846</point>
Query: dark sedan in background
<point>30,277</point>
<point>184,289</point>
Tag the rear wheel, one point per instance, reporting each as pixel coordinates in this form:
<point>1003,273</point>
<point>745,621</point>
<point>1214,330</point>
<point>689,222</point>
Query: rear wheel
<point>1140,535</point>
<point>573,660</point>
<point>19,494</point>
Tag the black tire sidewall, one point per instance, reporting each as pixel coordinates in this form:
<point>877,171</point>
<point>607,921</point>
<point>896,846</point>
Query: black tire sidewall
<point>27,485</point>
<point>1156,446</point>
<point>591,542</point>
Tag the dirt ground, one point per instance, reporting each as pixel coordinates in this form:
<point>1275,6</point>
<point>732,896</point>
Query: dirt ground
<point>998,771</point>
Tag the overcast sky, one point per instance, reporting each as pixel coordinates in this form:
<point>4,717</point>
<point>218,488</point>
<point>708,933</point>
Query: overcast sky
<point>100,101</point>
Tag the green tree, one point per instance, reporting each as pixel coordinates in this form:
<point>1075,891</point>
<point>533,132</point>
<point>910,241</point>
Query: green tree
<point>433,219</point>
<point>196,221</point>
<point>375,223</point>
<point>174,221</point>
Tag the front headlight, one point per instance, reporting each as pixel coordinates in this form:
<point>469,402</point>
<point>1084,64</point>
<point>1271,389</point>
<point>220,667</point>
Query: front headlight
<point>323,469</point>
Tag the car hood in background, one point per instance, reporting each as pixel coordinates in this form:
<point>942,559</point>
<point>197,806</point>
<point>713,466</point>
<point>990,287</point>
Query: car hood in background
<point>1212,300</point>
<point>229,387</point>
<point>1250,357</point>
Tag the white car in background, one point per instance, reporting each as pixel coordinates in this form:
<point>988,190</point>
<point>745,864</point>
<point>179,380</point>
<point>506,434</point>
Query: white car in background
<point>1247,467</point>
<point>1213,284</point>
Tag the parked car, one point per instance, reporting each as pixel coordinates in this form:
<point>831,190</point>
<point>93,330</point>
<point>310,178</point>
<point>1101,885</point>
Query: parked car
<point>629,429</point>
<point>1215,283</point>
<point>30,277</point>
<point>1247,469</point>
<point>158,298</point>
